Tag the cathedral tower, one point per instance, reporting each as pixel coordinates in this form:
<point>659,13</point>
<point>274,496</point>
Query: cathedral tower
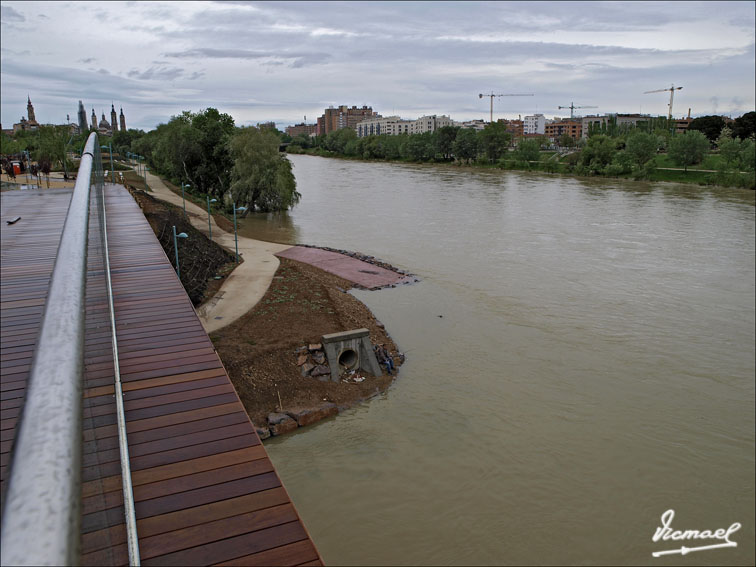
<point>123,121</point>
<point>94,120</point>
<point>30,109</point>
<point>82,118</point>
<point>113,119</point>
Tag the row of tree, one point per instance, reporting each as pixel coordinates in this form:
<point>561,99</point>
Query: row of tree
<point>609,149</point>
<point>207,151</point>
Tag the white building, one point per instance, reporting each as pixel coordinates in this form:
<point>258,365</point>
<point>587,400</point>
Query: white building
<point>393,125</point>
<point>535,124</point>
<point>473,124</point>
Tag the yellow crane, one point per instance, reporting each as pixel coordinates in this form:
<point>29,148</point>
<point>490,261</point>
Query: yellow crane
<point>492,95</point>
<point>671,90</point>
<point>572,108</point>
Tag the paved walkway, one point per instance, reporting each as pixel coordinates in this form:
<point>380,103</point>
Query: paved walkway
<point>361,273</point>
<point>247,284</point>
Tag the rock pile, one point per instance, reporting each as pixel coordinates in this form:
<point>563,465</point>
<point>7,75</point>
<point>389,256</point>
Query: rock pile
<point>312,361</point>
<point>288,420</point>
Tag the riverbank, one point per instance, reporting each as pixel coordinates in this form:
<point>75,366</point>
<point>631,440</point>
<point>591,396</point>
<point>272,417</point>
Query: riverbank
<point>565,167</point>
<point>262,347</point>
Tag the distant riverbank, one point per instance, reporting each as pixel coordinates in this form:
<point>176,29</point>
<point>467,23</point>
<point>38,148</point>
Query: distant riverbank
<point>552,164</point>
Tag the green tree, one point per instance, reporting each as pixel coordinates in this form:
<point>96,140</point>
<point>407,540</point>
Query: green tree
<point>745,126</point>
<point>337,140</point>
<point>710,126</point>
<point>262,178</point>
<point>421,147</point>
<point>688,149</point>
<point>528,150</point>
<point>494,140</point>
<point>566,141</point>
<point>641,147</point>
<point>729,149</point>
<point>748,154</point>
<point>598,153</point>
<point>465,146</point>
<point>445,140</point>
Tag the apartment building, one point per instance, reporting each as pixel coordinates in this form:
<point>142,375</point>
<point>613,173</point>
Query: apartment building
<point>298,129</point>
<point>573,128</point>
<point>342,117</point>
<point>393,125</point>
<point>630,119</point>
<point>514,127</point>
<point>535,124</point>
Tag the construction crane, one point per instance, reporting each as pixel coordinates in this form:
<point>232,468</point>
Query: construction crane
<point>492,95</point>
<point>671,90</point>
<point>572,108</point>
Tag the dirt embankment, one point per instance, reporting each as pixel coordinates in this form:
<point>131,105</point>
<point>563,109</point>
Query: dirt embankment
<point>262,349</point>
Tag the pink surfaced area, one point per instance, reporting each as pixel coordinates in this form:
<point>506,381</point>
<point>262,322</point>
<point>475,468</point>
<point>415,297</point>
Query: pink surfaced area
<point>356,271</point>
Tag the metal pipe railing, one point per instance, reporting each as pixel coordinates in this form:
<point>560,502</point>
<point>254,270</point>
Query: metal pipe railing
<point>41,515</point>
<point>128,492</point>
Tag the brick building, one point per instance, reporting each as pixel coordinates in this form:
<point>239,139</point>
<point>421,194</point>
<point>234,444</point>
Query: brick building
<point>573,128</point>
<point>298,129</point>
<point>342,117</point>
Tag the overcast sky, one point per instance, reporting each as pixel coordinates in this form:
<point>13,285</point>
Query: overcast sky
<point>282,61</point>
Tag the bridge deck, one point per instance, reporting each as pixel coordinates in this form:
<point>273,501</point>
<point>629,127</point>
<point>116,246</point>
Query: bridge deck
<point>205,491</point>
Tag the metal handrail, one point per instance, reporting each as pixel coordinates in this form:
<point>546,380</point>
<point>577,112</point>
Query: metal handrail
<point>41,515</point>
<point>128,492</point>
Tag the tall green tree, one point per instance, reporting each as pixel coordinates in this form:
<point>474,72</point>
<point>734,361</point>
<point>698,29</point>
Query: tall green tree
<point>494,140</point>
<point>528,150</point>
<point>641,147</point>
<point>465,145</point>
<point>710,126</point>
<point>445,140</point>
<point>262,178</point>
<point>745,126</point>
<point>598,152</point>
<point>689,148</point>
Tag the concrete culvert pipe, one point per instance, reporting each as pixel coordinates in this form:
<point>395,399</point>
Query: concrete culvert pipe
<point>349,359</point>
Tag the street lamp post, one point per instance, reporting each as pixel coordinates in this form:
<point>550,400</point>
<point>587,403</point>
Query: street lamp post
<point>175,247</point>
<point>236,241</point>
<point>109,147</point>
<point>209,223</point>
<point>183,200</point>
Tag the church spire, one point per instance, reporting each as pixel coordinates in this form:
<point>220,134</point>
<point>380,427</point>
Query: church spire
<point>30,109</point>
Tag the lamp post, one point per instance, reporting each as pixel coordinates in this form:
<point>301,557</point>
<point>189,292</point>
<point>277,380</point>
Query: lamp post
<point>144,169</point>
<point>175,247</point>
<point>209,223</point>
<point>236,241</point>
<point>109,147</point>
<point>183,200</point>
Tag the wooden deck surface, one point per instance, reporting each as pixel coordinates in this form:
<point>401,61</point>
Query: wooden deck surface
<point>205,491</point>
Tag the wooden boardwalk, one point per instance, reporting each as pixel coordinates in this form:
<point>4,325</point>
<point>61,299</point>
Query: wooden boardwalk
<point>205,491</point>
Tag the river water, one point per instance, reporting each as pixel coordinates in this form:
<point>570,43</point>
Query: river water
<point>580,359</point>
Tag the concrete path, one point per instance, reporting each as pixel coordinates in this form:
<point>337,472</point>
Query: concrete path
<point>356,271</point>
<point>247,284</point>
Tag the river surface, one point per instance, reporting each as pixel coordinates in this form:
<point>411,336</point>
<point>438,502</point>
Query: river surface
<point>580,359</point>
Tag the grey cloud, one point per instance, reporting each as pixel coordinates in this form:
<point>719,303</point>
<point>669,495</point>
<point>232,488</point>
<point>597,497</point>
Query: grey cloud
<point>295,60</point>
<point>9,14</point>
<point>161,73</point>
<point>87,60</point>
<point>103,71</point>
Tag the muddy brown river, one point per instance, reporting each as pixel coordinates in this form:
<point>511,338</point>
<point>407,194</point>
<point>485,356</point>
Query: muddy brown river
<point>580,359</point>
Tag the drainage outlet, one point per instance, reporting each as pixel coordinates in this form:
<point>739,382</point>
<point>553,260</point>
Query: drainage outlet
<point>350,350</point>
<point>349,360</point>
